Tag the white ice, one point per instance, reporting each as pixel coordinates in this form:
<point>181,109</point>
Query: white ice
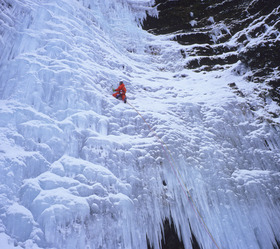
<point>80,169</point>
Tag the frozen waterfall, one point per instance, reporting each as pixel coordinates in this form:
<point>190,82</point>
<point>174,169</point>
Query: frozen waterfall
<point>80,169</point>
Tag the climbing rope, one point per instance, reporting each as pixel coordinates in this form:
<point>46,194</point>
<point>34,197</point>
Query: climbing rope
<point>179,177</point>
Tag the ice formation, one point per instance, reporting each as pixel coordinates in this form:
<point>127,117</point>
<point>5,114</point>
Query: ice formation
<point>80,169</point>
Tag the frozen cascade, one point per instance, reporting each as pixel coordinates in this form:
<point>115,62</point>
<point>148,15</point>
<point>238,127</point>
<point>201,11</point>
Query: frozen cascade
<point>80,169</point>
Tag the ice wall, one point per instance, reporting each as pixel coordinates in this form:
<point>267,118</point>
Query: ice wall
<point>80,169</point>
<point>63,179</point>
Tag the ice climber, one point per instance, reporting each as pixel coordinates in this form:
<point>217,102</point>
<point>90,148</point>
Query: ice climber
<point>120,92</point>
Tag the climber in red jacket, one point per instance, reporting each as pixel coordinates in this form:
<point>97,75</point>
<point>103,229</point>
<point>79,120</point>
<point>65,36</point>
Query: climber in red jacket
<point>120,92</point>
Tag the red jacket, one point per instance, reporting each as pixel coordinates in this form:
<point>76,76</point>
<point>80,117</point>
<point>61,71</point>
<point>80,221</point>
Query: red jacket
<point>121,89</point>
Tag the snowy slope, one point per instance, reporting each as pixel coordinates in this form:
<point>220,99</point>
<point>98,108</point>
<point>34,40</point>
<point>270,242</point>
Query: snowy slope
<point>80,169</point>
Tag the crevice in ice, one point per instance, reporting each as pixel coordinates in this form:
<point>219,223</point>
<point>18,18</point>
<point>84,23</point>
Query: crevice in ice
<point>170,238</point>
<point>194,242</point>
<point>277,246</point>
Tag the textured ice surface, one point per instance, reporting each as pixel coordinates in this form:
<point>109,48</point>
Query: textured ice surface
<point>80,169</point>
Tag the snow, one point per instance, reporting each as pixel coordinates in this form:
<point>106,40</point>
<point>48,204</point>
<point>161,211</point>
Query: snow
<point>80,169</point>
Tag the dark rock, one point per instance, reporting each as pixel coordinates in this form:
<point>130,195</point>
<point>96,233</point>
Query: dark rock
<point>275,91</point>
<point>247,19</point>
<point>175,15</point>
<point>192,38</point>
<point>265,55</point>
<point>211,61</point>
<point>172,17</point>
<point>263,7</point>
<point>236,90</point>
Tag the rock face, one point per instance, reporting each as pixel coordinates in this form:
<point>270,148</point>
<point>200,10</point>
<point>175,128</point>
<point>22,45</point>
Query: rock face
<point>218,34</point>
